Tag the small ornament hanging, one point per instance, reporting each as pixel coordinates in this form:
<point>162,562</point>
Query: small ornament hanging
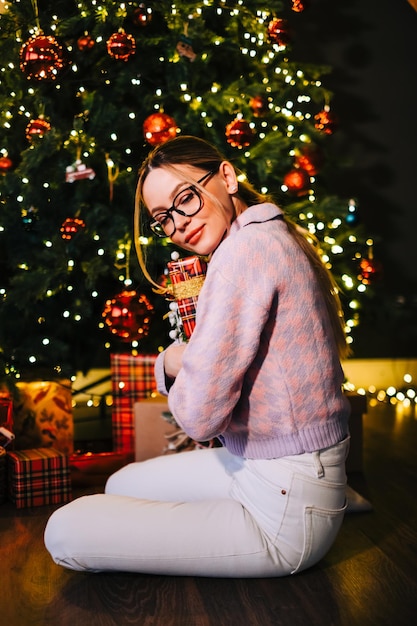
<point>325,121</point>
<point>6,164</point>
<point>239,133</point>
<point>78,171</point>
<point>121,46</point>
<point>185,48</point>
<point>71,226</point>
<point>310,159</point>
<point>158,128</point>
<point>259,105</point>
<point>42,58</point>
<point>128,315</point>
<point>142,15</point>
<point>279,32</point>
<point>29,218</point>
<point>85,42</point>
<point>352,217</point>
<point>37,128</point>
<point>112,175</point>
<point>297,181</point>
<point>300,5</point>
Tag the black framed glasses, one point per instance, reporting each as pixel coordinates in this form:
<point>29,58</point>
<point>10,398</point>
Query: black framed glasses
<point>187,202</point>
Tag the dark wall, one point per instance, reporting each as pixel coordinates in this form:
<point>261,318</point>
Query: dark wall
<point>372,48</point>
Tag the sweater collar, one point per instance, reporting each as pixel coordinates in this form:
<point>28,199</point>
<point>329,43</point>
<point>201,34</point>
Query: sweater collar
<point>257,213</point>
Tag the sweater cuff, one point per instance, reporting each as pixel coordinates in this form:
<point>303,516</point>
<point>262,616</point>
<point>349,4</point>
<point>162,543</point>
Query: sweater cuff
<point>163,383</point>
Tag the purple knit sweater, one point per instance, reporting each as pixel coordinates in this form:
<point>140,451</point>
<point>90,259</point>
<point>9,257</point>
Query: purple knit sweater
<point>261,370</point>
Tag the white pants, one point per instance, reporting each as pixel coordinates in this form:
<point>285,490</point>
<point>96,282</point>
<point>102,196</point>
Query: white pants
<point>207,513</point>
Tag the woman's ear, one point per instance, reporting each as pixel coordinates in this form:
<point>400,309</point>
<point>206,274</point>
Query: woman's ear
<point>227,171</point>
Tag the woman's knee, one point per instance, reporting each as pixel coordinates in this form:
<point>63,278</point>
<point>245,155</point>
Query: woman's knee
<point>67,526</point>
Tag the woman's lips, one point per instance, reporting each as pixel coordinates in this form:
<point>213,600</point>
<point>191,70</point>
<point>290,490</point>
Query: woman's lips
<point>194,236</point>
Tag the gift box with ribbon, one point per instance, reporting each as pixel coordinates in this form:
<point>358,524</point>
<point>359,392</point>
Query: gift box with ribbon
<point>187,277</point>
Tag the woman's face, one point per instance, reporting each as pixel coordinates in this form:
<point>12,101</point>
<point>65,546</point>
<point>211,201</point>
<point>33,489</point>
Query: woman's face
<point>203,231</point>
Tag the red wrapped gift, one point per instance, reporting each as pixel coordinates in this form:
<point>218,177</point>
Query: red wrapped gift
<point>2,475</point>
<point>6,423</point>
<point>38,477</point>
<point>43,416</point>
<point>132,380</point>
<point>93,468</point>
<point>187,277</point>
<point>6,410</point>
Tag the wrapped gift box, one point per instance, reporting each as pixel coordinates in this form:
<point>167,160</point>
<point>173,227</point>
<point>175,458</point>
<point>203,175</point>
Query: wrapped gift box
<point>38,477</point>
<point>132,380</point>
<point>152,431</point>
<point>43,416</point>
<point>187,277</point>
<point>358,405</point>
<point>157,433</point>
<point>93,468</point>
<point>6,410</point>
<point>2,475</point>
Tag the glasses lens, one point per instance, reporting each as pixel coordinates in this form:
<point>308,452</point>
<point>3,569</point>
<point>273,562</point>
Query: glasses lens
<point>164,227</point>
<point>188,201</point>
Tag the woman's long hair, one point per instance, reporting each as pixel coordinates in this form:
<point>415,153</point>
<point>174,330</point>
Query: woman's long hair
<point>188,150</point>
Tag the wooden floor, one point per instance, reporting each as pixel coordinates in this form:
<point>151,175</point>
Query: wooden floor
<point>368,578</point>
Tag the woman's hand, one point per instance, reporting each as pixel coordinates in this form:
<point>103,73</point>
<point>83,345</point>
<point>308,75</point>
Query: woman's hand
<point>173,359</point>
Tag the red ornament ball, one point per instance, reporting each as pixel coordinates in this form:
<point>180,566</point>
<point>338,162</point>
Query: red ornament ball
<point>121,46</point>
<point>37,128</point>
<point>86,42</point>
<point>42,58</point>
<point>310,159</point>
<point>158,128</point>
<point>297,181</point>
<point>279,32</point>
<point>259,105</point>
<point>300,5</point>
<point>370,270</point>
<point>239,133</point>
<point>326,121</point>
<point>6,164</point>
<point>128,315</point>
<point>71,226</point>
<point>142,15</point>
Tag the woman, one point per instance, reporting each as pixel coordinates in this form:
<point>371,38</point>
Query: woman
<point>261,373</point>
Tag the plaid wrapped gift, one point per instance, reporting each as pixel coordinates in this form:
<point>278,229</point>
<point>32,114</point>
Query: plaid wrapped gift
<point>132,380</point>
<point>43,416</point>
<point>187,277</point>
<point>38,477</point>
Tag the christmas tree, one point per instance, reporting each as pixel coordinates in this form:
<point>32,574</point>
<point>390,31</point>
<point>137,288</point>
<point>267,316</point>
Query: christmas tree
<point>87,88</point>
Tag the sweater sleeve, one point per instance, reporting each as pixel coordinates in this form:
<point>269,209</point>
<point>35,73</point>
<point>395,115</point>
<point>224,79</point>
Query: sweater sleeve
<point>230,318</point>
